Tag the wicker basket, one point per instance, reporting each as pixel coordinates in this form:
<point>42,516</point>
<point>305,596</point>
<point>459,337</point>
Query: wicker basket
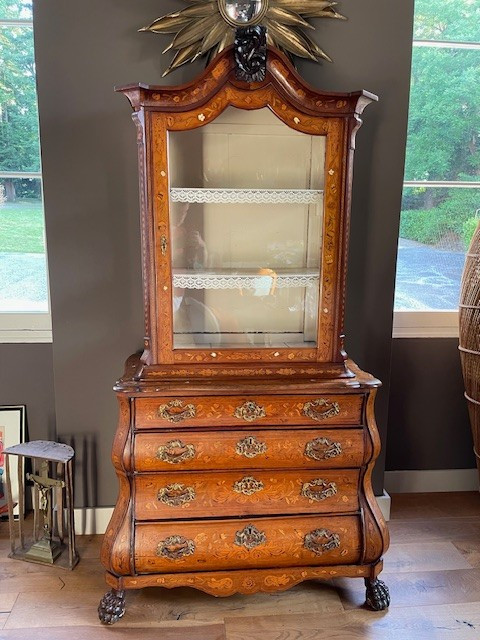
<point>469,319</point>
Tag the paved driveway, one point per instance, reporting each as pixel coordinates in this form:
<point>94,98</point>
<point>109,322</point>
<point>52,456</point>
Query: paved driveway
<point>23,282</point>
<point>427,278</point>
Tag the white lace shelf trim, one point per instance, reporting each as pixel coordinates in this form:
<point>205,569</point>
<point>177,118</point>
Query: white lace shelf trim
<point>243,282</point>
<point>249,196</point>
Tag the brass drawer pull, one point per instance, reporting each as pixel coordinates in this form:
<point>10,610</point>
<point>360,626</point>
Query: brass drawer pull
<point>248,486</point>
<point>321,540</point>
<point>250,537</point>
<point>318,490</point>
<point>176,451</point>
<point>250,447</point>
<point>170,411</point>
<point>175,548</point>
<point>322,449</point>
<point>175,495</point>
<point>321,409</point>
<point>249,411</point>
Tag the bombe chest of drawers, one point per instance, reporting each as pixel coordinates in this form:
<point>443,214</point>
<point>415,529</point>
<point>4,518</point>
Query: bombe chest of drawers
<point>246,439</point>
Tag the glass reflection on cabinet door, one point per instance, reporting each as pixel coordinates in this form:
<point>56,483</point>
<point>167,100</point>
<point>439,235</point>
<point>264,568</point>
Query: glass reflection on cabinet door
<point>246,211</point>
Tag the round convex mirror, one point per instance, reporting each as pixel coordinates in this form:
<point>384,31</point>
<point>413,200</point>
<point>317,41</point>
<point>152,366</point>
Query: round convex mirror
<point>243,13</point>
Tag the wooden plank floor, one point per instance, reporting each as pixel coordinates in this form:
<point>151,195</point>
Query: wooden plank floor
<point>432,569</point>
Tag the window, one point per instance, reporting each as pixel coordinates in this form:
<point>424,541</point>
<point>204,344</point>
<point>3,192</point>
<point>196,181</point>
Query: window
<point>24,304</point>
<point>441,196</point>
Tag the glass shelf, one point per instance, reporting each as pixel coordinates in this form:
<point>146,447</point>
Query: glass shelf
<point>264,280</point>
<point>242,196</point>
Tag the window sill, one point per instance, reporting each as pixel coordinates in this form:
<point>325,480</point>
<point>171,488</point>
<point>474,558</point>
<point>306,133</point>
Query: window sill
<point>25,336</point>
<point>425,324</point>
<point>25,328</point>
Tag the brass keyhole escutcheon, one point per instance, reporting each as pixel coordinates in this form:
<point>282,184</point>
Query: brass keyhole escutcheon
<point>250,447</point>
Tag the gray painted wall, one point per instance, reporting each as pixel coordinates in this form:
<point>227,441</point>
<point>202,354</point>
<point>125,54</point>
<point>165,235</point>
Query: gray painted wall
<point>90,187</point>
<point>428,425</point>
<point>26,377</point>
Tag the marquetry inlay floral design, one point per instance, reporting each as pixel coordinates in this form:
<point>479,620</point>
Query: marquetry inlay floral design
<point>266,580</point>
<point>233,494</point>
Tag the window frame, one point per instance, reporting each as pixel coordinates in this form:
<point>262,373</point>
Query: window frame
<point>27,327</point>
<point>433,324</point>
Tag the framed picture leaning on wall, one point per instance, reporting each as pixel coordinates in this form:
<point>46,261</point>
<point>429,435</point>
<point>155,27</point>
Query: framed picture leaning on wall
<point>12,431</point>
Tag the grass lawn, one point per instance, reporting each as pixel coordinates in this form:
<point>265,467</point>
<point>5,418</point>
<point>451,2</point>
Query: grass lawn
<point>21,227</point>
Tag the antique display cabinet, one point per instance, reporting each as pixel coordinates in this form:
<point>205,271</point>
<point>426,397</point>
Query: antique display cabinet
<point>246,439</point>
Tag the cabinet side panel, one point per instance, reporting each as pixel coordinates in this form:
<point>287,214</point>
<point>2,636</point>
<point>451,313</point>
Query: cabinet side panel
<point>116,554</point>
<point>376,533</point>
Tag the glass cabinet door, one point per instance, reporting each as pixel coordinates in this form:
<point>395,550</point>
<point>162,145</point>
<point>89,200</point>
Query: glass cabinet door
<point>246,213</point>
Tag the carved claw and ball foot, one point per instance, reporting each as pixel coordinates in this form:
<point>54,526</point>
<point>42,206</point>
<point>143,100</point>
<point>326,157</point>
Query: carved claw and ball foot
<point>378,596</point>
<point>112,607</point>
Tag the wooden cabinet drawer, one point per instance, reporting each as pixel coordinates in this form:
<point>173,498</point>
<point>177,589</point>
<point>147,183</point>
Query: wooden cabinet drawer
<point>197,495</point>
<point>248,543</point>
<point>248,410</point>
<point>252,449</point>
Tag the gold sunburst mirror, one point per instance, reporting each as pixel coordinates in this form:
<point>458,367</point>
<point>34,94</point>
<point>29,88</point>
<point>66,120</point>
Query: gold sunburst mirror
<point>206,27</point>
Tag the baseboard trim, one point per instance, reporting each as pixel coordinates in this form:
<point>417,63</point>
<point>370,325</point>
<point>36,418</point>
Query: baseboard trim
<point>385,504</point>
<point>94,521</point>
<point>432,481</point>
